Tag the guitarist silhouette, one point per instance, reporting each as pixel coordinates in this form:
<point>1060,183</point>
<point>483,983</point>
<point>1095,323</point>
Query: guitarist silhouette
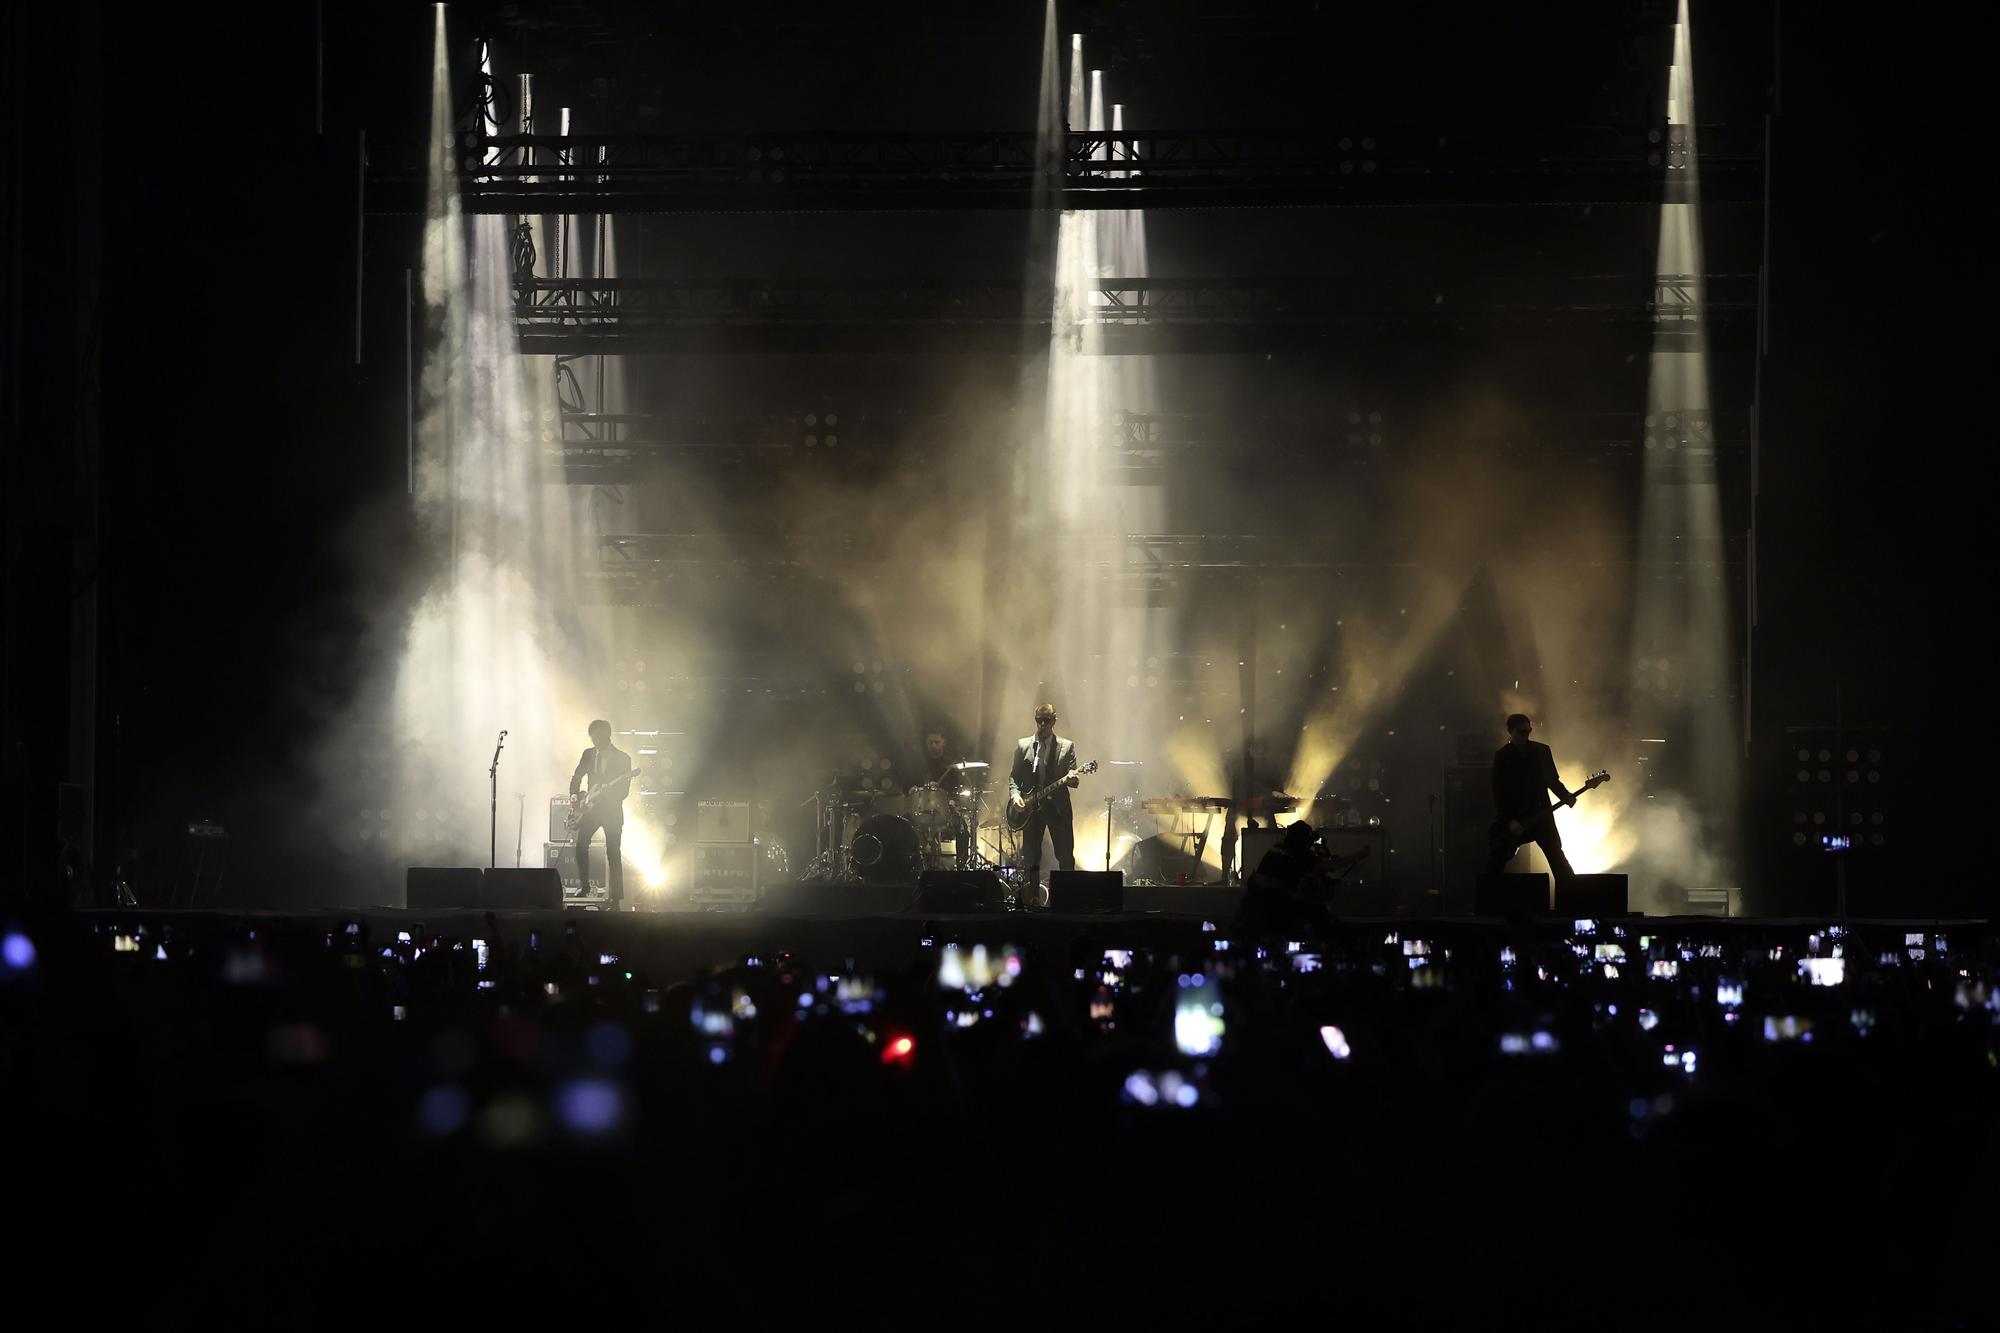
<point>1039,760</point>
<point>608,770</point>
<point>1524,772</point>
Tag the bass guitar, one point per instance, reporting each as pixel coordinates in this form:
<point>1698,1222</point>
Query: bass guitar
<point>1503,843</point>
<point>1017,819</point>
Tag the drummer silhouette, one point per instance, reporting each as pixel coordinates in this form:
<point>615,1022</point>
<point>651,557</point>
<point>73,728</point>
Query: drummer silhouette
<point>940,758</point>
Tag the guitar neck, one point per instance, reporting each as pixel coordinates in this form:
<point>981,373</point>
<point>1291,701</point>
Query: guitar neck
<point>1534,821</point>
<point>1057,783</point>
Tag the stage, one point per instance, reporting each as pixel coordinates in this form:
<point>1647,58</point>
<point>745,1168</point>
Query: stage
<point>672,945</point>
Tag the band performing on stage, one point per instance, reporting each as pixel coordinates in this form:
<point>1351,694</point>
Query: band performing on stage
<point>959,818</point>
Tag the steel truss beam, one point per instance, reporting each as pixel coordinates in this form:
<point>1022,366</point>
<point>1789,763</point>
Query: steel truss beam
<point>678,570</point>
<point>598,446</point>
<point>779,171</point>
<point>580,316</point>
<point>659,553</point>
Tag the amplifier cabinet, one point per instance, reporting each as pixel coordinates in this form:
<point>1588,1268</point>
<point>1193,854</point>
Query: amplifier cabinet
<point>723,874</point>
<point>562,856</point>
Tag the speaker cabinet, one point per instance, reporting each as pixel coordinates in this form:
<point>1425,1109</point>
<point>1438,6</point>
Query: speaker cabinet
<point>559,819</point>
<point>723,874</point>
<point>1467,810</point>
<point>435,888</point>
<point>1512,896</point>
<point>960,891</point>
<point>1086,890</point>
<point>1593,896</point>
<point>521,888</point>
<point>722,821</point>
<point>427,888</point>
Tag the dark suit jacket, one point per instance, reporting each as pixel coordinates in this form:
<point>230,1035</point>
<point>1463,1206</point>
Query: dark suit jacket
<point>611,810</point>
<point>1021,778</point>
<point>1522,779</point>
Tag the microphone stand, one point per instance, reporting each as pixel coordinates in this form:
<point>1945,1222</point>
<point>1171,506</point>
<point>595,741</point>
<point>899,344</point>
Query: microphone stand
<point>1108,802</point>
<point>493,805</point>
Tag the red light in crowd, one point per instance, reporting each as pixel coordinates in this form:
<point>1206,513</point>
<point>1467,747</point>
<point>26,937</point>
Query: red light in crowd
<point>898,1051</point>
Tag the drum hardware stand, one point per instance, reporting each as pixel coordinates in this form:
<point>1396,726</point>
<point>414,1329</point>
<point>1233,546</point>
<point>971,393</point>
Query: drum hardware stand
<point>829,864</point>
<point>969,856</point>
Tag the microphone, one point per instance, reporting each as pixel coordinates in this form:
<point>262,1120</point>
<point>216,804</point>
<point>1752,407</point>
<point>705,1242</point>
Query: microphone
<point>503,735</point>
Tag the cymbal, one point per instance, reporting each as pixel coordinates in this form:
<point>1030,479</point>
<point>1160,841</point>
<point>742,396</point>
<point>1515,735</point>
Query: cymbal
<point>971,763</point>
<point>1124,763</point>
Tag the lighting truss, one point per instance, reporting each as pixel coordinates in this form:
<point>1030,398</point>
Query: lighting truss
<point>1133,315</point>
<point>1452,164</point>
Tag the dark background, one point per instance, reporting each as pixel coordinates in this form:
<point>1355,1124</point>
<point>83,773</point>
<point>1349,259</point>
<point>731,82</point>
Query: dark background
<point>195,458</point>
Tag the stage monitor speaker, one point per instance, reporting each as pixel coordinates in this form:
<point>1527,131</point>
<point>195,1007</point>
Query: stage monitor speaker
<point>1593,896</point>
<point>1712,902</point>
<point>427,888</point>
<point>1086,890</point>
<point>1511,896</point>
<point>1253,844</point>
<point>521,888</point>
<point>1340,840</point>
<point>960,891</point>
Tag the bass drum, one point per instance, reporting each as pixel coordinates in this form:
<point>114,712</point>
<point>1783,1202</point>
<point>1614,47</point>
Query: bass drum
<point>884,850</point>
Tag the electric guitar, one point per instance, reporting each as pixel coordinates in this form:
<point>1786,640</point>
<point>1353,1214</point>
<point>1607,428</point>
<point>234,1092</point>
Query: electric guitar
<point>1017,820</point>
<point>1504,844</point>
<point>589,802</point>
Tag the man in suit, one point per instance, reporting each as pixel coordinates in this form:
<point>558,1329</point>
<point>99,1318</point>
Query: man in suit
<point>608,770</point>
<point>1524,773</point>
<point>1039,760</point>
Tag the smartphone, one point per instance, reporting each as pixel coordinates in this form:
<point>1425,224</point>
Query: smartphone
<point>1198,1025</point>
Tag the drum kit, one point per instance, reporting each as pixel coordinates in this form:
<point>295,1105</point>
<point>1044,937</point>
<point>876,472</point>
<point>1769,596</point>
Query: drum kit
<point>890,838</point>
<point>882,836</point>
